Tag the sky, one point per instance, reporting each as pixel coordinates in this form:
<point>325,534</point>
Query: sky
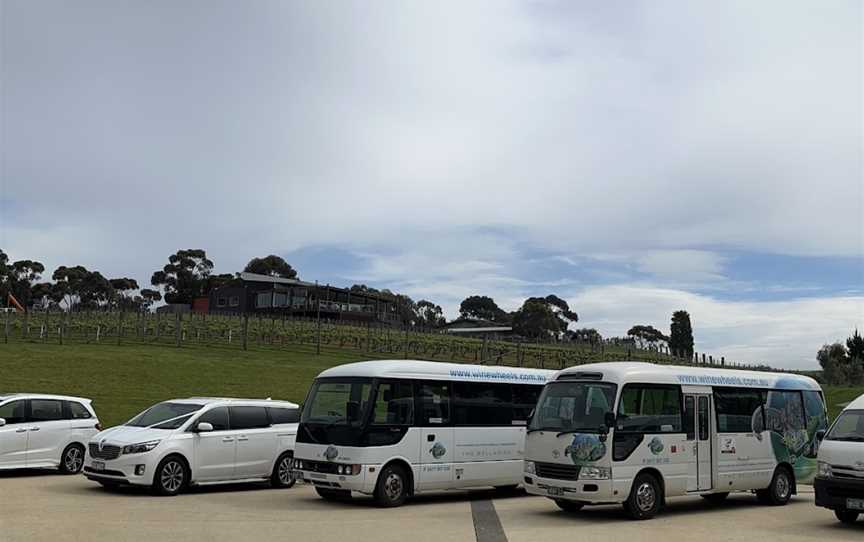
<point>633,158</point>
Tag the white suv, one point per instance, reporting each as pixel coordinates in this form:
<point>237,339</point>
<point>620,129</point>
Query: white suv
<point>198,441</point>
<point>45,431</point>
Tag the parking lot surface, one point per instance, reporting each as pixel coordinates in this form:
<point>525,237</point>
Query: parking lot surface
<point>45,506</point>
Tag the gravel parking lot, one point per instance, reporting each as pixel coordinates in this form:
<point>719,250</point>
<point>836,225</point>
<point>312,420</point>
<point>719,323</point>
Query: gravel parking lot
<point>45,506</point>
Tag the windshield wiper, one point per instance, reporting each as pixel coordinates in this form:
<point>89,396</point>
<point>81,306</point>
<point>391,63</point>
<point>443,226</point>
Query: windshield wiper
<point>569,431</point>
<point>541,429</point>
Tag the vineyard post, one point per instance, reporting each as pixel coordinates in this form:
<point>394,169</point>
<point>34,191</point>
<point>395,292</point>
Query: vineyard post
<point>177,329</point>
<point>158,317</point>
<point>368,344</point>
<point>119,327</point>
<point>245,329</point>
<point>60,327</point>
<point>26,327</point>
<point>6,328</point>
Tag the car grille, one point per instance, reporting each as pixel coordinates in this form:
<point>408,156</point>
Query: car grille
<point>558,471</point>
<point>319,466</point>
<point>108,451</point>
<point>845,471</point>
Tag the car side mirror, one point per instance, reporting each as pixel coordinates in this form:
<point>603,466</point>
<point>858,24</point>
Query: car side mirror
<point>609,420</point>
<point>2,422</point>
<point>820,435</point>
<point>204,427</point>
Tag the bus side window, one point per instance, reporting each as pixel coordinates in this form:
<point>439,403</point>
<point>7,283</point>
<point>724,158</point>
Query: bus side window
<point>434,403</point>
<point>689,417</point>
<point>703,418</point>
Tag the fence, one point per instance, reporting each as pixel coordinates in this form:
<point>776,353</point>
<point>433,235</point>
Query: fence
<point>316,335</point>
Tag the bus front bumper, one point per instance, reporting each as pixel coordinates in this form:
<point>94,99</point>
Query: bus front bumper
<point>585,491</point>
<point>364,482</point>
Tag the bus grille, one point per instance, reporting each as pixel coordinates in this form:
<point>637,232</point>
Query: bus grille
<point>558,471</point>
<point>319,466</point>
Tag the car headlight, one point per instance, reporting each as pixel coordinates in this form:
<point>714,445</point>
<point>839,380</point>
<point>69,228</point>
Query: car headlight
<point>141,447</point>
<point>529,467</point>
<point>595,473</point>
<point>824,469</point>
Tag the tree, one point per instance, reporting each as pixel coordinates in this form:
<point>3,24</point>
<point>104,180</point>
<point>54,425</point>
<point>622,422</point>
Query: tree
<point>185,275</point>
<point>149,297</point>
<point>681,334</point>
<point>855,347</point>
<point>20,278</point>
<point>271,265</point>
<point>82,289</point>
<point>834,362</point>
<point>4,275</point>
<point>429,314</point>
<point>589,335</point>
<point>536,319</point>
<point>217,281</point>
<point>647,335</point>
<point>482,307</point>
<point>121,289</point>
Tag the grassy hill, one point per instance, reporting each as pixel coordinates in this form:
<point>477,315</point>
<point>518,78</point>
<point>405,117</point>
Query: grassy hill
<point>122,380</point>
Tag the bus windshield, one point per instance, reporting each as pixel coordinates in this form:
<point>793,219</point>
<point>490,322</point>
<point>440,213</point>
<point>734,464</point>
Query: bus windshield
<point>333,402</point>
<point>573,407</point>
<point>849,427</point>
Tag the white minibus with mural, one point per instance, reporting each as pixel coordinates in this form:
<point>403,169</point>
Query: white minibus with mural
<point>637,434</point>
<point>394,428</point>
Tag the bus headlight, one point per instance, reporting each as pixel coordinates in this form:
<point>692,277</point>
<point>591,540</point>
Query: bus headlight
<point>824,469</point>
<point>529,467</point>
<point>595,473</point>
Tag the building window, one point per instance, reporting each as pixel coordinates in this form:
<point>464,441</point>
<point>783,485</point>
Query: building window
<point>235,301</point>
<point>221,302</point>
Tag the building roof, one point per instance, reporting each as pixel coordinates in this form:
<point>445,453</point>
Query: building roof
<point>255,277</point>
<point>493,329</point>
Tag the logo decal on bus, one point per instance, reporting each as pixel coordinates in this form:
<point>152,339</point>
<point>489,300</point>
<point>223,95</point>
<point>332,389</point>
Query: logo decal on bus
<point>331,453</point>
<point>656,446</point>
<point>585,448</point>
<point>438,450</point>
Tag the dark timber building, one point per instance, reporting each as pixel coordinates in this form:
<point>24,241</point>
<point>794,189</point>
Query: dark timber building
<point>262,294</point>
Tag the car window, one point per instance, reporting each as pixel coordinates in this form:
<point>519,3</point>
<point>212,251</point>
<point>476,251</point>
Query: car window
<point>46,410</point>
<point>13,412</point>
<point>284,415</point>
<point>248,417</point>
<point>218,418</point>
<point>77,411</point>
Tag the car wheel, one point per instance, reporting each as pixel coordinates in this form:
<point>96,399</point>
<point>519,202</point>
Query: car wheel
<point>283,475</point>
<point>569,506</point>
<point>72,460</point>
<point>392,487</point>
<point>333,494</point>
<point>646,497</point>
<point>715,498</point>
<point>780,490</point>
<point>171,476</point>
<point>846,516</point>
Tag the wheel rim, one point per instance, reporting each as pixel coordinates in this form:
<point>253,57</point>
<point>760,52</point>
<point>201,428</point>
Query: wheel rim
<point>286,473</point>
<point>172,476</point>
<point>73,460</point>
<point>783,486</point>
<point>393,486</point>
<point>646,497</point>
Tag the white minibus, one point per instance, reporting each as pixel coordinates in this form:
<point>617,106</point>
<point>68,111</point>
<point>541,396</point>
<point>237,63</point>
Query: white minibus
<point>840,480</point>
<point>638,433</point>
<point>399,427</point>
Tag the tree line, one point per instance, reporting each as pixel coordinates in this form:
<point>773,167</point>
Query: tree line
<point>843,364</point>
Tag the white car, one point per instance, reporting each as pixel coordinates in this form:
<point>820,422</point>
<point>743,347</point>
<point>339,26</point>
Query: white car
<point>45,431</point>
<point>198,441</point>
<point>840,481</point>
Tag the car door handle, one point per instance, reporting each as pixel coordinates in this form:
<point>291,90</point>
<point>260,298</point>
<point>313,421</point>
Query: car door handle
<point>242,439</point>
<point>22,430</point>
<point>227,439</point>
<point>34,428</point>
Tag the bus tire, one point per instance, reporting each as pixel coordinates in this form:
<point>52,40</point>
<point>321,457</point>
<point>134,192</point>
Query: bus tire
<point>780,490</point>
<point>715,498</point>
<point>569,506</point>
<point>646,497</point>
<point>847,516</point>
<point>392,487</point>
<point>333,494</point>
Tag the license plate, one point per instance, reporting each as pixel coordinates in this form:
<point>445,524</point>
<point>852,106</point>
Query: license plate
<point>98,466</point>
<point>554,491</point>
<point>855,504</point>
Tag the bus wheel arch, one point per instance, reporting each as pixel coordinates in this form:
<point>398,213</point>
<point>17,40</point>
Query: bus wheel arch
<point>647,495</point>
<point>782,486</point>
<point>395,473</point>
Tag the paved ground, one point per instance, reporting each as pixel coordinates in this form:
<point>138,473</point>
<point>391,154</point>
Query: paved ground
<point>40,506</point>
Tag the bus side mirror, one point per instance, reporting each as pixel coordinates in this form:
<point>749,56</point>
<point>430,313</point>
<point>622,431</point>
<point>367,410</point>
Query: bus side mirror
<point>352,411</point>
<point>820,435</point>
<point>609,419</point>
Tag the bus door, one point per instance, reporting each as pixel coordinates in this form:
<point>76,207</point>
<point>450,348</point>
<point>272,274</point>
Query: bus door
<point>437,441</point>
<point>697,421</point>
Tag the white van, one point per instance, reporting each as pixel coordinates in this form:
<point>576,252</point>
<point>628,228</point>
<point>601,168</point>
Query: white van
<point>393,428</point>
<point>198,441</point>
<point>639,433</point>
<point>45,431</point>
<point>840,481</point>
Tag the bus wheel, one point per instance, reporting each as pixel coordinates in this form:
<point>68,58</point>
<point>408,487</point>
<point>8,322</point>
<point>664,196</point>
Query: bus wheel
<point>645,498</point>
<point>715,498</point>
<point>392,487</point>
<point>569,506</point>
<point>333,494</point>
<point>846,516</point>
<point>780,490</point>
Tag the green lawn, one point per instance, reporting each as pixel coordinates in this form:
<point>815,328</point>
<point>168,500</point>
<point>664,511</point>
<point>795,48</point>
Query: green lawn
<point>122,380</point>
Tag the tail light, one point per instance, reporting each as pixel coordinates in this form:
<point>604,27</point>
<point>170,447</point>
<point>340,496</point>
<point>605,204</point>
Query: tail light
<point>98,426</point>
